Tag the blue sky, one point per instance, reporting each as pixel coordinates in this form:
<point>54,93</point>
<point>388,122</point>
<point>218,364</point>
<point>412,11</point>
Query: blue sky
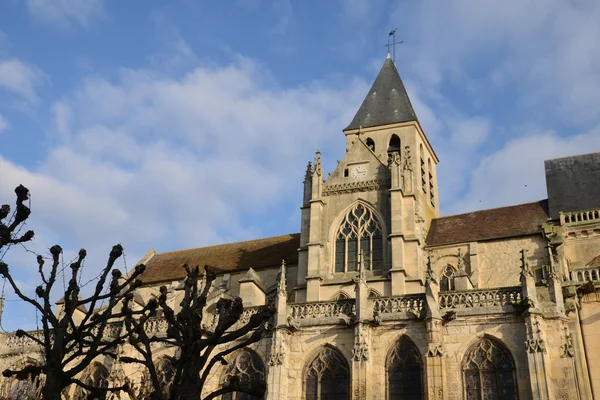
<point>179,124</point>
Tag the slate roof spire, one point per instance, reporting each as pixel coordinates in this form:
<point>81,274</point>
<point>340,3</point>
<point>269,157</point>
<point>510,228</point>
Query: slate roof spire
<point>386,103</point>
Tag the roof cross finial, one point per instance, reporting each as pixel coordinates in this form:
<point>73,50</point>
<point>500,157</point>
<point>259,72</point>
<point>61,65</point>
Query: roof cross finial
<point>392,35</point>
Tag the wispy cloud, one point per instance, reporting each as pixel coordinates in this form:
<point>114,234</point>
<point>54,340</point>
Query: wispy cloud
<point>4,125</point>
<point>20,78</point>
<point>66,12</point>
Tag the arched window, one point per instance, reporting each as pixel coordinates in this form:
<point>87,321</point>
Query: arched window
<point>404,371</point>
<point>370,144</point>
<point>96,376</point>
<point>489,372</point>
<point>447,279</point>
<point>373,294</point>
<point>24,389</point>
<point>249,369</point>
<point>340,296</point>
<point>326,376</point>
<point>359,231</point>
<point>394,144</point>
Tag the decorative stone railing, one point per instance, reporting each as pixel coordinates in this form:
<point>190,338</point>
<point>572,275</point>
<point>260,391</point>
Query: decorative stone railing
<point>480,298</point>
<point>580,217</point>
<point>156,325</point>
<point>586,274</point>
<point>13,341</point>
<point>322,309</point>
<point>411,303</point>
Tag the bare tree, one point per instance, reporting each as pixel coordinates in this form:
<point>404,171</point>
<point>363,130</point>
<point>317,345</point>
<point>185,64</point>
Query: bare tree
<point>81,331</point>
<point>194,359</point>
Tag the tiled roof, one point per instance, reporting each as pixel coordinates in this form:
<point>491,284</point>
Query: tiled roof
<point>256,254</point>
<point>386,103</point>
<point>595,262</point>
<point>522,219</point>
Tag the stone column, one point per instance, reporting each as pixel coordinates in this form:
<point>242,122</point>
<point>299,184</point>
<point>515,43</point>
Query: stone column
<point>277,382</point>
<point>361,365</point>
<point>435,351</point>
<point>535,344</point>
<point>315,241</point>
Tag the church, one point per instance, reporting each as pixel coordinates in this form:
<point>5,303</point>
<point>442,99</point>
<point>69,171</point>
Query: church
<point>380,297</point>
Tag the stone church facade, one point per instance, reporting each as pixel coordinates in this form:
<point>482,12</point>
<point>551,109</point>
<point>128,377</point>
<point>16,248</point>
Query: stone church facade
<point>380,297</point>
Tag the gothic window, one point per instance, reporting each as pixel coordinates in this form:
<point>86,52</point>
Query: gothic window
<point>247,367</point>
<point>28,388</point>
<point>373,294</point>
<point>96,376</point>
<point>370,144</point>
<point>340,296</point>
<point>404,371</point>
<point>447,279</point>
<point>359,231</point>
<point>489,372</point>
<point>326,376</point>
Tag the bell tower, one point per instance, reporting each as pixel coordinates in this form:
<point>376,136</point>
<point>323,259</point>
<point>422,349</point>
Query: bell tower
<point>378,202</point>
<point>387,121</point>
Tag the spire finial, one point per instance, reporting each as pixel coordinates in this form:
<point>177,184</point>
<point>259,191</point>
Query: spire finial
<point>388,55</point>
<point>281,284</point>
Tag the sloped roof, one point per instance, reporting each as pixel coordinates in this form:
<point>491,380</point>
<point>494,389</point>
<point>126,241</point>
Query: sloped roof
<point>594,262</point>
<point>522,219</point>
<point>386,103</point>
<point>256,254</point>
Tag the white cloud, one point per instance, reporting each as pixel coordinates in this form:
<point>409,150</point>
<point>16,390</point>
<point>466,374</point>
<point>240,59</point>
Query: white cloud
<point>19,78</point>
<point>4,124</point>
<point>66,12</point>
<point>515,174</point>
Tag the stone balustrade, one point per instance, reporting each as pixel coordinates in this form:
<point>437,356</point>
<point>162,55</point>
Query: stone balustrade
<point>586,274</point>
<point>409,303</point>
<point>322,309</point>
<point>580,217</point>
<point>13,341</point>
<point>480,298</point>
<point>156,325</point>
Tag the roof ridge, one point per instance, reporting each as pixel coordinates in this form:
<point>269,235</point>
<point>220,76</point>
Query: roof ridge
<point>229,243</point>
<point>493,208</point>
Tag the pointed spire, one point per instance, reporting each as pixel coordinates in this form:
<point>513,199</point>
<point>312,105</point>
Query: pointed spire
<point>308,173</point>
<point>281,284</point>
<point>389,56</point>
<point>318,169</point>
<point>386,103</point>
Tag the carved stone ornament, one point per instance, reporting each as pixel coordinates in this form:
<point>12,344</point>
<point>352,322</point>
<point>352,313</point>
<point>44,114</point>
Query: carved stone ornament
<point>526,270</point>
<point>318,168</point>
<point>535,345</point>
<point>395,158</point>
<point>407,160</point>
<point>567,346</point>
<point>360,352</point>
<point>308,172</point>
<point>356,186</point>
<point>281,283</point>
<point>279,347</point>
<point>435,350</point>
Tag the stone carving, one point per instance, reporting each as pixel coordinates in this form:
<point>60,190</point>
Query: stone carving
<point>322,309</point>
<point>435,350</point>
<point>405,303</point>
<point>526,270</point>
<point>308,173</point>
<point>357,186</point>
<point>461,263</point>
<point>279,347</point>
<point>360,352</point>
<point>407,159</point>
<point>318,168</point>
<point>567,346</point>
<point>407,172</point>
<point>430,274</point>
<point>481,298</point>
<point>535,343</point>
<point>281,283</point>
<point>394,158</point>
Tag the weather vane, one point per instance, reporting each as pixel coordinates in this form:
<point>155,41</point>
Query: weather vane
<point>392,35</point>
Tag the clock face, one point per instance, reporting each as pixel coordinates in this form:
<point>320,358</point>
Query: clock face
<point>358,172</point>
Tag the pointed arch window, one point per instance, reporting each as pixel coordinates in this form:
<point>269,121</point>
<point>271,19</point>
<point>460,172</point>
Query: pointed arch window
<point>489,372</point>
<point>423,176</point>
<point>327,376</point>
<point>447,279</point>
<point>97,376</point>
<point>28,388</point>
<point>248,368</point>
<point>404,371</point>
<point>359,231</point>
<point>370,144</point>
